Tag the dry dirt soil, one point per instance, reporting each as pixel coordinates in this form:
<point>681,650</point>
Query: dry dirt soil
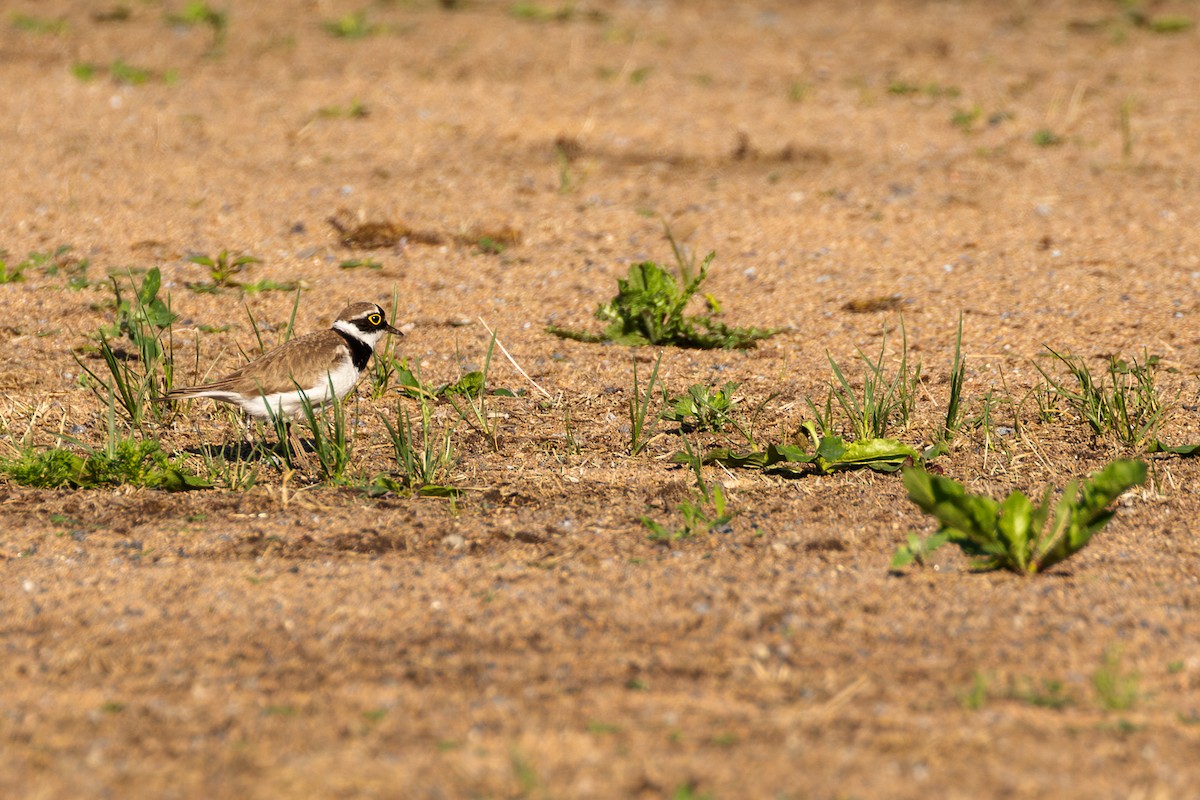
<point>1030,166</point>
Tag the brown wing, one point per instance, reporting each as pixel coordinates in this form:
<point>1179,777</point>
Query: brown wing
<point>278,369</point>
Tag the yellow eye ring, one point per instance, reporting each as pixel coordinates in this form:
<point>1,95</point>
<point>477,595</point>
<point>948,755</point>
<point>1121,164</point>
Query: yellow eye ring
<point>374,319</point>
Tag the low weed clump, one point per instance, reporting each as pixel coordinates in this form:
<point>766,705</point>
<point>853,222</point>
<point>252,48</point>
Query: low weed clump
<point>198,12</point>
<point>702,409</point>
<point>1017,534</point>
<point>884,398</point>
<point>650,305</point>
<point>142,318</point>
<point>222,268</point>
<point>1116,688</point>
<point>829,454</point>
<point>332,440</point>
<point>129,461</point>
<point>706,511</point>
<point>355,25</point>
<point>424,457</point>
<point>1126,405</point>
<point>122,460</point>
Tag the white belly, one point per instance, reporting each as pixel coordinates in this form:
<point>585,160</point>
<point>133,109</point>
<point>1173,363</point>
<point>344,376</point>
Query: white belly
<point>289,404</point>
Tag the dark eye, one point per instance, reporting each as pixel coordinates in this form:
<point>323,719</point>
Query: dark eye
<point>374,319</point>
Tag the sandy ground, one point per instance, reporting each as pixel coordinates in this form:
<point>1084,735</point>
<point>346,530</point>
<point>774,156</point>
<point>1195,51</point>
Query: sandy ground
<point>1031,166</point>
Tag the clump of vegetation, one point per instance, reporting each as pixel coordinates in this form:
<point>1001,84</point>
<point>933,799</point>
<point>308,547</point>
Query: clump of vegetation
<point>332,438</point>
<point>424,457</point>
<point>1046,138</point>
<point>198,12</point>
<point>38,25</point>
<point>884,398</point>
<point>355,263</point>
<point>356,110</point>
<point>49,263</point>
<point>125,461</point>
<point>351,26</point>
<point>702,409</point>
<point>142,319</point>
<point>649,309</point>
<point>830,454</point>
<point>1116,689</point>
<point>705,512</point>
<point>1017,534</point>
<point>53,262</point>
<point>14,274</point>
<point>1127,405</point>
<point>221,271</point>
<point>536,12</point>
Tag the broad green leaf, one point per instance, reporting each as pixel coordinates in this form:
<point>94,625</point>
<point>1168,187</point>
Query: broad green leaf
<point>881,455</point>
<point>434,490</point>
<point>1087,509</point>
<point>779,453</point>
<point>875,452</point>
<point>1013,528</point>
<point>1184,450</point>
<point>150,286</point>
<point>173,479</point>
<point>972,516</point>
<point>752,459</point>
<point>903,556</point>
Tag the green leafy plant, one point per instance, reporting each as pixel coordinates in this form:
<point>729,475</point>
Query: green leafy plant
<point>469,384</point>
<point>197,12</point>
<point>649,309</point>
<point>1127,405</point>
<point>424,459</point>
<point>639,408</point>
<point>332,441</point>
<point>965,118</point>
<point>14,274</point>
<point>268,285</point>
<point>703,409</point>
<point>1046,138</point>
<point>1048,693</point>
<point>706,511</point>
<point>1116,689</point>
<point>355,263</point>
<point>976,696</point>
<point>128,74</point>
<point>883,399</point>
<point>356,110</point>
<point>122,460</point>
<point>471,403</point>
<point>142,318</point>
<point>351,26</point>
<point>831,454</point>
<point>221,271</point>
<point>917,549</point>
<point>537,12</point>
<point>38,25</point>
<point>1017,534</point>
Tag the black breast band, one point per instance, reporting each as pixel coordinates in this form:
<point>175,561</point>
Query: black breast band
<point>360,351</point>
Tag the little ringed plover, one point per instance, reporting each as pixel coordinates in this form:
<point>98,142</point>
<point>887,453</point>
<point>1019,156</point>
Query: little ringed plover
<point>321,364</point>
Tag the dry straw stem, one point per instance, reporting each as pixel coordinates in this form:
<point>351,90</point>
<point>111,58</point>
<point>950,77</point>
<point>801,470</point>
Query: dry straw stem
<point>513,361</point>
